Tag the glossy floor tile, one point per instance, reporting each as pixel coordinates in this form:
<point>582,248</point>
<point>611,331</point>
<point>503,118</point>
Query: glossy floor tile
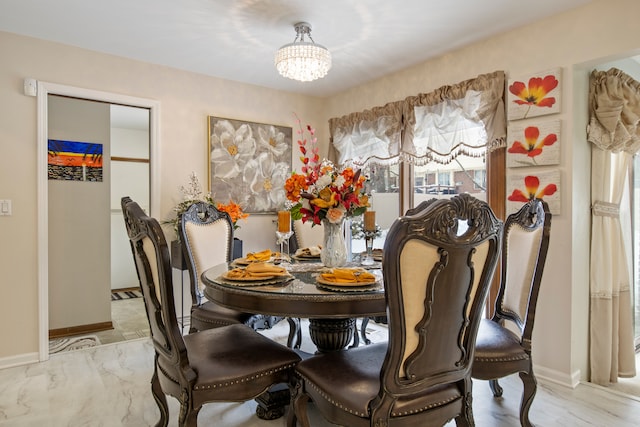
<point>109,386</point>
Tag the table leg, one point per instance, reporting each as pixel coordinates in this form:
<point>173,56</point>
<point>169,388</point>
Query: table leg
<point>331,334</point>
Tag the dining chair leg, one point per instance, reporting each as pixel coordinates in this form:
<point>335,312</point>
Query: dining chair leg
<point>529,392</point>
<point>159,397</point>
<point>356,337</point>
<point>495,388</point>
<point>363,330</point>
<point>295,333</point>
<point>298,407</point>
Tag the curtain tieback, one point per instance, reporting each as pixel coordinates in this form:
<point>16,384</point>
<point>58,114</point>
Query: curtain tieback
<point>600,208</point>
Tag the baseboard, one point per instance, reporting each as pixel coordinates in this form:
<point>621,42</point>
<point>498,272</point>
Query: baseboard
<point>557,377</point>
<point>19,360</point>
<point>81,329</point>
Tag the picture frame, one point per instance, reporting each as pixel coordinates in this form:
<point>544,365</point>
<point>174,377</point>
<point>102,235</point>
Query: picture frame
<point>534,95</point>
<point>542,184</point>
<point>74,161</point>
<point>249,163</point>
<point>534,144</point>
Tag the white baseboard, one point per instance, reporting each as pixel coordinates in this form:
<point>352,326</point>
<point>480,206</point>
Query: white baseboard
<point>19,360</point>
<point>557,377</point>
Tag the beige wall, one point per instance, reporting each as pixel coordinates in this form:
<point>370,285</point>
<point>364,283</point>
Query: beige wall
<point>603,30</point>
<point>186,99</point>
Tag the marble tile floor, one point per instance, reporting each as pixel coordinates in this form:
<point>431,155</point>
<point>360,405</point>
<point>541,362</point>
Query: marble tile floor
<point>109,386</point>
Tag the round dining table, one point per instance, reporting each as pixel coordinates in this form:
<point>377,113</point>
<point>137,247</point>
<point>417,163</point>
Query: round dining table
<point>331,310</point>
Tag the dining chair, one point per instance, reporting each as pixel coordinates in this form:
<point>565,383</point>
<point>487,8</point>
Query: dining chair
<point>232,363</point>
<point>306,234</point>
<point>502,350</point>
<point>206,235</point>
<point>383,319</point>
<point>437,269</point>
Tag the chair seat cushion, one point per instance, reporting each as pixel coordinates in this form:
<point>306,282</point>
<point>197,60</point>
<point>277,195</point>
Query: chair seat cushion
<point>350,380</point>
<point>498,352</point>
<point>226,371</point>
<point>211,315</point>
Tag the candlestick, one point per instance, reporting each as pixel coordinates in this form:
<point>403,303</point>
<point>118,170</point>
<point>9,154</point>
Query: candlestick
<point>84,172</point>
<point>370,220</point>
<point>284,221</point>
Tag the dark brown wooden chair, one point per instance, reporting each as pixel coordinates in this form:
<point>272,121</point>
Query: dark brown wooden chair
<point>206,236</point>
<point>500,351</point>
<point>230,363</point>
<point>437,268</point>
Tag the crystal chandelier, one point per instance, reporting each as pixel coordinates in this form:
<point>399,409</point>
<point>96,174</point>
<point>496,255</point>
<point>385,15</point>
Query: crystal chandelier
<point>302,60</point>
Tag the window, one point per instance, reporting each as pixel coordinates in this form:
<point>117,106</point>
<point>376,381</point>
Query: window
<point>428,145</point>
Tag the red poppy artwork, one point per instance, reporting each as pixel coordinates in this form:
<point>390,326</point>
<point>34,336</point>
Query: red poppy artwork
<point>534,95</point>
<point>534,144</point>
<point>539,185</point>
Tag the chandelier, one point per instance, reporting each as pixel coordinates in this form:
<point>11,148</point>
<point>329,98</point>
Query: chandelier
<point>302,60</point>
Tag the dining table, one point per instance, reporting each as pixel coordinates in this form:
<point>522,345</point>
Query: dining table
<point>299,293</point>
<point>331,309</point>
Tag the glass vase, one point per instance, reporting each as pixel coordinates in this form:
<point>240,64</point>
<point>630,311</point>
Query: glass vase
<point>334,249</point>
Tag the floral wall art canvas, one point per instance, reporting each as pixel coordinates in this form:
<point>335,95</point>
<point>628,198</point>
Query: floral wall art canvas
<point>534,144</point>
<point>543,185</point>
<point>249,163</point>
<point>534,95</point>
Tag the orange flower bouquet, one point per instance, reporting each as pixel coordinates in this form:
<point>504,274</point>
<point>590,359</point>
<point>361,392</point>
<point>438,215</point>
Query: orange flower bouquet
<point>192,193</point>
<point>322,190</point>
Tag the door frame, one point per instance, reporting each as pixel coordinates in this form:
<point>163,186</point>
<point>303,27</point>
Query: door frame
<point>44,90</point>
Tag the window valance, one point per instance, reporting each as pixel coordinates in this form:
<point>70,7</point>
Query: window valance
<point>467,118</point>
<point>370,136</point>
<point>614,110</point>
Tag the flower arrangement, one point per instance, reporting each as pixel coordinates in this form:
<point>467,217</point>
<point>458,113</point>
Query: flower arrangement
<point>193,193</point>
<point>322,190</point>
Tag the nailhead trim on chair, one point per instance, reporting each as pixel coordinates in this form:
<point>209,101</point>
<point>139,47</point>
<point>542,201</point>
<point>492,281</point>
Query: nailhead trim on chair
<point>243,380</point>
<point>417,411</point>
<point>500,359</point>
<point>363,415</point>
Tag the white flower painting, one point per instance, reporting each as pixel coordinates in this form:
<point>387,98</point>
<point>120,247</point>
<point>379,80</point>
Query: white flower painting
<point>249,163</point>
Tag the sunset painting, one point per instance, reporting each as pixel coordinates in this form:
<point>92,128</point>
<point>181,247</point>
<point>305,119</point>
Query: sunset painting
<point>74,161</point>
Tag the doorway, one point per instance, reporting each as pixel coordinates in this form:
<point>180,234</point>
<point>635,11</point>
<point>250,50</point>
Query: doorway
<point>44,90</point>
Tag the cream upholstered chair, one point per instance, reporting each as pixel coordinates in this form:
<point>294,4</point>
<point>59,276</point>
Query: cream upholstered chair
<point>207,240</point>
<point>206,236</point>
<point>437,269</point>
<point>500,351</point>
<point>307,234</point>
<point>228,364</point>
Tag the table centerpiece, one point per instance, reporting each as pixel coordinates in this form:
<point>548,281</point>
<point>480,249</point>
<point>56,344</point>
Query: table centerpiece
<point>326,194</point>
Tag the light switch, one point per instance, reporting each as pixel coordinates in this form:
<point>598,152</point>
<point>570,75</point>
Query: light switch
<point>5,207</point>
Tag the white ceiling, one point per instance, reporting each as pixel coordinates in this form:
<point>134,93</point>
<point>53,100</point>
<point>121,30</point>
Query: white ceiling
<point>237,39</point>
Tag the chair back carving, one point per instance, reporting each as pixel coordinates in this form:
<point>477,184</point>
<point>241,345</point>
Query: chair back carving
<point>439,261</point>
<point>207,240</point>
<point>524,252</point>
<point>153,266</point>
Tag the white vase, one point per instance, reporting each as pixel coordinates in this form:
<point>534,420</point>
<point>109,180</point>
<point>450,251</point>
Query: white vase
<point>334,250</point>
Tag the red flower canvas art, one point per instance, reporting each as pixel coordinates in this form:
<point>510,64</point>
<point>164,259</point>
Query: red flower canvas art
<point>536,144</point>
<point>534,95</point>
<point>536,185</point>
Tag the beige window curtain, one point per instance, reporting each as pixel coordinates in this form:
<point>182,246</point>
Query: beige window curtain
<point>467,118</point>
<point>372,136</point>
<point>614,109</point>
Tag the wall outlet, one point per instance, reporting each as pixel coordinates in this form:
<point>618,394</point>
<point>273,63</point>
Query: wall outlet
<point>5,207</point>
